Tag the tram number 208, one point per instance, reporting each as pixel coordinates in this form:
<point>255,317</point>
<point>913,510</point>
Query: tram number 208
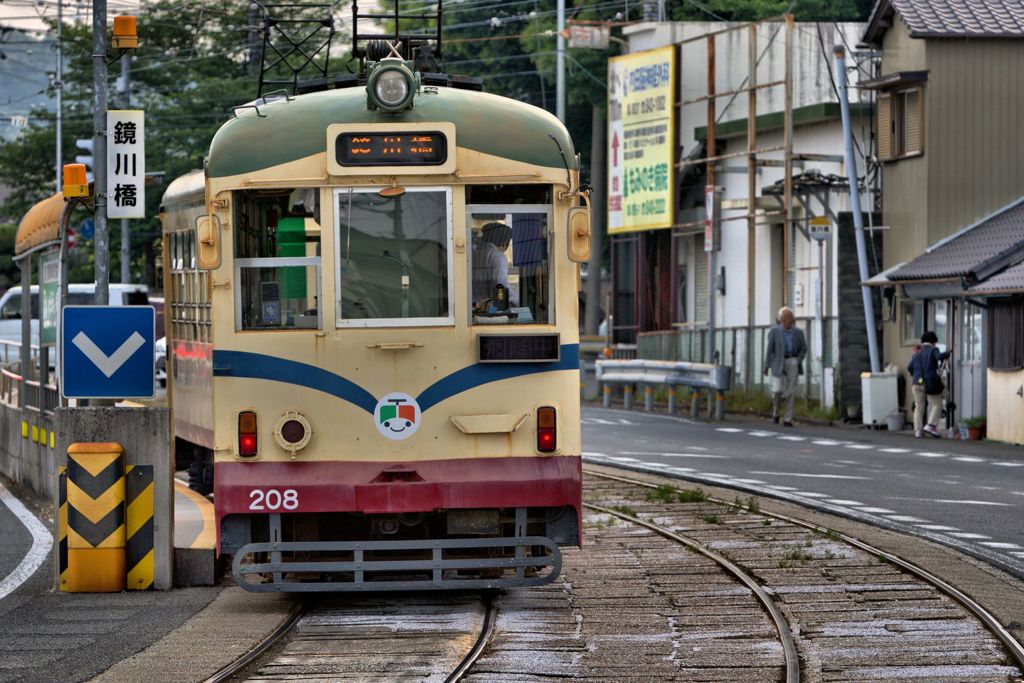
<point>272,499</point>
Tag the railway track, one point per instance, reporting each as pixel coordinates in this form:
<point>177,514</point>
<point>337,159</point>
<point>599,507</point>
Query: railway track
<point>858,612</point>
<point>436,638</point>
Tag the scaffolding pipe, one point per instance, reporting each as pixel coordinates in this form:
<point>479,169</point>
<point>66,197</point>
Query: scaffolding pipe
<point>858,218</point>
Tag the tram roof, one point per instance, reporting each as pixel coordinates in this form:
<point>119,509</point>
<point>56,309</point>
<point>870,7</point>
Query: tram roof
<point>293,129</point>
<point>185,189</point>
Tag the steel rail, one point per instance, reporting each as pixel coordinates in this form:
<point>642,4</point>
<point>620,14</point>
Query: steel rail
<point>490,617</point>
<point>1015,648</point>
<point>252,655</point>
<point>792,657</point>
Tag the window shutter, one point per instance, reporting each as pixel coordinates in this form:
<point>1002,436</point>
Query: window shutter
<point>883,127</point>
<point>915,122</point>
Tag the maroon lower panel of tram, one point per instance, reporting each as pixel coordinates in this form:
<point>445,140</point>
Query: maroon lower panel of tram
<point>392,488</point>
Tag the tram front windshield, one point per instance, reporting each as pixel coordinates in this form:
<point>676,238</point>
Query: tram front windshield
<point>393,257</point>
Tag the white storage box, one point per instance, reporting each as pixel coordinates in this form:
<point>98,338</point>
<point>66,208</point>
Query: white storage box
<point>878,396</point>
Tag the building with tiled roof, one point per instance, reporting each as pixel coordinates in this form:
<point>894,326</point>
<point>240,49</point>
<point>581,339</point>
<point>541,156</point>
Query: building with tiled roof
<point>949,93</point>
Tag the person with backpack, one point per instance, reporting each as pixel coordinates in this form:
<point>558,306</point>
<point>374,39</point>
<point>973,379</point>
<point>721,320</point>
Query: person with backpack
<point>927,385</point>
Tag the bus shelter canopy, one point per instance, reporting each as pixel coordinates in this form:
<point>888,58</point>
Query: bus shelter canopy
<point>40,225</point>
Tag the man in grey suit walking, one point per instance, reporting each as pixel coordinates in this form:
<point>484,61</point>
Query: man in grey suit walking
<point>784,358</point>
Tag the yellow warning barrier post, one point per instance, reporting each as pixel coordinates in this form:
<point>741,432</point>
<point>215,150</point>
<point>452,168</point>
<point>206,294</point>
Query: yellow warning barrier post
<point>95,518</point>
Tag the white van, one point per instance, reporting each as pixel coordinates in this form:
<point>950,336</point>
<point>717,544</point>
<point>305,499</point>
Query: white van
<point>78,295</point>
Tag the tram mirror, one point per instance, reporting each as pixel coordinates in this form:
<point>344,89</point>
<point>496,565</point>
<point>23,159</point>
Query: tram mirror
<point>579,234</point>
<point>208,240</point>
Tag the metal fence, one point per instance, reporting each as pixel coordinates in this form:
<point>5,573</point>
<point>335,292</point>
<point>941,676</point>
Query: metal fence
<point>742,348</point>
<point>40,390</point>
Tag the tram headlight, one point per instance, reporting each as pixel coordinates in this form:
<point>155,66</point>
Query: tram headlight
<point>390,88</point>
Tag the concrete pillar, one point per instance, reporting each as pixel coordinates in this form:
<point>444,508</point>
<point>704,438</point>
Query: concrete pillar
<point>627,396</point>
<point>648,398</point>
<point>606,395</point>
<point>672,397</point>
<point>694,404</point>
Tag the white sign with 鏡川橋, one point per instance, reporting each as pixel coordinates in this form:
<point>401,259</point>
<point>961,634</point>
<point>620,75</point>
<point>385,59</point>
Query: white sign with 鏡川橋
<point>126,164</point>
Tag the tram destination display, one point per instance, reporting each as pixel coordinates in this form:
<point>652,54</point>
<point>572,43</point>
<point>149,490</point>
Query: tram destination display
<point>391,149</point>
<point>532,348</point>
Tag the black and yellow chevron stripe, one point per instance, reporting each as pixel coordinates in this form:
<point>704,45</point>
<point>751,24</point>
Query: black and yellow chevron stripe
<point>139,546</point>
<point>62,527</point>
<point>96,517</point>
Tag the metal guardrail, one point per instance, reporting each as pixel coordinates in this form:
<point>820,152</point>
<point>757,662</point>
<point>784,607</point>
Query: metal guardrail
<point>648,373</point>
<point>40,396</point>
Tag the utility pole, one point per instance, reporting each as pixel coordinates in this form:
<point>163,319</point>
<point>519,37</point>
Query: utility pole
<point>560,65</point>
<point>99,146</point>
<point>598,202</point>
<point>59,85</point>
<point>858,219</point>
<point>126,240</point>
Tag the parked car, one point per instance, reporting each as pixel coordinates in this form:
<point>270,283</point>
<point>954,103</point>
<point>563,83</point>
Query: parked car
<point>78,294</point>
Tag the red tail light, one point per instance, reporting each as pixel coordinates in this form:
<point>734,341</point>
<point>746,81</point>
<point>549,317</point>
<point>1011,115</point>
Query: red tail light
<point>547,430</point>
<point>247,442</point>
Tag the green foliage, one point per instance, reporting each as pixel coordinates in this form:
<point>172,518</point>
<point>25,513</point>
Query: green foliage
<point>9,273</point>
<point>695,495</point>
<point>190,68</point>
<point>666,493</point>
<point>753,506</point>
<point>711,518</point>
<point>624,509</point>
<point>976,421</point>
<point>753,10</point>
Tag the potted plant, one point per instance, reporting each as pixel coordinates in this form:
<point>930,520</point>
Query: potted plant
<point>975,427</point>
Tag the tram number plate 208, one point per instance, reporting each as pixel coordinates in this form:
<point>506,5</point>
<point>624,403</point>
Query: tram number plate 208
<point>273,499</point>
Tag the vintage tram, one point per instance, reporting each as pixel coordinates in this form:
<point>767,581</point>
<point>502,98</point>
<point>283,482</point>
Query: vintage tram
<point>371,294</point>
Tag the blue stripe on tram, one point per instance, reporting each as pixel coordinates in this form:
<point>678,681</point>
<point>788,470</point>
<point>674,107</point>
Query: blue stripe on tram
<point>262,366</point>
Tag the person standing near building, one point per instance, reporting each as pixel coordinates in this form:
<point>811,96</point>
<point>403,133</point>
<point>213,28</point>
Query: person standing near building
<point>927,385</point>
<point>784,358</point>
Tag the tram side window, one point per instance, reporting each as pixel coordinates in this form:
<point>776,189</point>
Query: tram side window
<point>277,255</point>
<point>393,257</point>
<point>510,281</point>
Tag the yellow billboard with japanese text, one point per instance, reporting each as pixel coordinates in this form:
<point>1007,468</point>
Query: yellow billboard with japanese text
<point>641,140</point>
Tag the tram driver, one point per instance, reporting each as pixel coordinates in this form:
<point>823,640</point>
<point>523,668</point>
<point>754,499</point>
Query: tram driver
<point>490,267</point>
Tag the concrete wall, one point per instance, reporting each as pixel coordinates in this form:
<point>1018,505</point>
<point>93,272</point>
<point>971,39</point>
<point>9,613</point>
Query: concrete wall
<point>23,459</point>
<point>1005,406</point>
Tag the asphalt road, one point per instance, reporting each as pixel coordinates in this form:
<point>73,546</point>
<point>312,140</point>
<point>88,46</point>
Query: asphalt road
<point>968,495</point>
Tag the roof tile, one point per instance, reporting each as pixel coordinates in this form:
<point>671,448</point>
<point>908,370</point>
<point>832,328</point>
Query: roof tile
<point>972,250</point>
<point>963,18</point>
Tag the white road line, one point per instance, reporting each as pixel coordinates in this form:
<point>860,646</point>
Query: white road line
<point>658,465</point>
<point>966,534</point>
<point>905,518</point>
<point>783,488</point>
<point>849,462</point>
<point>828,442</point>
<point>969,458</point>
<point>763,434</point>
<point>1001,546</point>
<point>895,450</point>
<point>748,481</point>
<point>619,459</point>
<point>729,430</point>
<point>860,446</point>
<point>810,494</point>
<point>792,438</point>
<point>675,455</point>
<point>951,501</point>
<point>592,454</point>
<point>42,541</point>
<point>809,476</point>
<point>938,527</point>
<point>877,511</point>
<point>930,454</point>
<point>840,501</point>
<point>1008,464</point>
<point>1017,554</point>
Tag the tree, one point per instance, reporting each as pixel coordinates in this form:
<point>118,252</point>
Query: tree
<point>189,71</point>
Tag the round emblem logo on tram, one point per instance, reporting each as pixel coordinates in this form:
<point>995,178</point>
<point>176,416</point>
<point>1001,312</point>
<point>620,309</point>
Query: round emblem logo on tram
<point>397,416</point>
